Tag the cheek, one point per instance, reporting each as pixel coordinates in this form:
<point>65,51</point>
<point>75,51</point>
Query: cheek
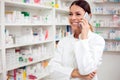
<point>69,19</point>
<point>75,19</point>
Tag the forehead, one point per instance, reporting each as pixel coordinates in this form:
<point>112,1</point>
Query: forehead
<point>75,8</point>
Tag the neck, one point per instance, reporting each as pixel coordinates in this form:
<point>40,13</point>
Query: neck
<point>76,35</point>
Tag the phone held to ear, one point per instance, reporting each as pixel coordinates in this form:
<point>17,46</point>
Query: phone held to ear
<point>87,17</point>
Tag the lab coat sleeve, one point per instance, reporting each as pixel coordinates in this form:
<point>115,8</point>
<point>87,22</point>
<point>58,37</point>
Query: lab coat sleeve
<point>89,54</point>
<point>56,62</point>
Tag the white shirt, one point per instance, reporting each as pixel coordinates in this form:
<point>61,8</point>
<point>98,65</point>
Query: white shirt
<point>71,53</point>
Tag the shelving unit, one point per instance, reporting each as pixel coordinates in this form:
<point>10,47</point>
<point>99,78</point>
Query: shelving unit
<point>103,20</point>
<point>106,27</point>
<point>26,36</point>
<point>28,44</point>
<point>107,23</point>
<point>1,58</point>
<point>42,58</point>
<point>28,33</point>
<point>61,13</point>
<point>104,2</point>
<point>37,74</point>
<point>28,25</point>
<point>112,51</point>
<point>99,14</point>
<point>60,10</point>
<point>112,40</point>
<point>27,5</point>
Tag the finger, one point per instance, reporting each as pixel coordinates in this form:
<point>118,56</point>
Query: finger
<point>92,75</point>
<point>82,25</point>
<point>94,72</point>
<point>83,21</point>
<point>88,77</point>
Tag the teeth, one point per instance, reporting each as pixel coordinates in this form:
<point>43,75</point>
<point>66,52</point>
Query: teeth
<point>75,23</point>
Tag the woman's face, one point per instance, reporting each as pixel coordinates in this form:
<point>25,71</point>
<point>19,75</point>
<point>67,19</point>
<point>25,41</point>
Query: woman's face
<point>75,15</point>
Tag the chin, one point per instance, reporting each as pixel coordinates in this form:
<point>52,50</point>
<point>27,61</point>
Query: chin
<point>74,27</point>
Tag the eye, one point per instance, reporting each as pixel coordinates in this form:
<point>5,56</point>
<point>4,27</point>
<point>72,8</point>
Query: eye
<point>78,14</point>
<point>70,14</point>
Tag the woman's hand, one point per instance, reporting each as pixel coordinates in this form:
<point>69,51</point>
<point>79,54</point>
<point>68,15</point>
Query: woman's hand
<point>85,29</point>
<point>89,76</point>
<point>76,74</point>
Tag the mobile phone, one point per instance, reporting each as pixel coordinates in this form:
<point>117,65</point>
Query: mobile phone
<point>87,17</point>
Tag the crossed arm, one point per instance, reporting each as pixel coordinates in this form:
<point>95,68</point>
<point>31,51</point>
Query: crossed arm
<point>75,74</point>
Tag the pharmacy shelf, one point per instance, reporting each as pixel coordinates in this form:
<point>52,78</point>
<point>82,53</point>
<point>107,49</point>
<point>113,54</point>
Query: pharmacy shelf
<point>112,40</point>
<point>35,9</point>
<point>27,44</point>
<point>25,5</point>
<point>100,14</point>
<point>30,63</point>
<point>62,24</point>
<point>104,2</point>
<point>59,10</point>
<point>107,27</point>
<point>28,24</point>
<point>112,52</point>
<point>104,14</point>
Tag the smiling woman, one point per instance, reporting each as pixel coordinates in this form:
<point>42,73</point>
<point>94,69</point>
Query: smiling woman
<point>78,56</point>
<point>76,15</point>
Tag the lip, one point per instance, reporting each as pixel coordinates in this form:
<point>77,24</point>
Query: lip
<point>75,23</point>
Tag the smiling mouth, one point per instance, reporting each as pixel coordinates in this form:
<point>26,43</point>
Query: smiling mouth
<point>75,23</point>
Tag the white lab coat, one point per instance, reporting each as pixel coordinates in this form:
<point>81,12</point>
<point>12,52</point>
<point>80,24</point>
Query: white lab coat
<point>71,53</point>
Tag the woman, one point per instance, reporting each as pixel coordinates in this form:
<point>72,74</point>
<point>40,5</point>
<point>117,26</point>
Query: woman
<point>78,56</point>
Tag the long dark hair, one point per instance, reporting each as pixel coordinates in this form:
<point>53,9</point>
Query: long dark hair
<point>84,5</point>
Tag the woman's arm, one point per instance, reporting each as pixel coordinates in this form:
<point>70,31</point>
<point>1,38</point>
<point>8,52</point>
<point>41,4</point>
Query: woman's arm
<point>88,55</point>
<point>76,74</point>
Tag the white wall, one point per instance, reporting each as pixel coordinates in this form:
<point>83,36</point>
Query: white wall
<point>110,68</point>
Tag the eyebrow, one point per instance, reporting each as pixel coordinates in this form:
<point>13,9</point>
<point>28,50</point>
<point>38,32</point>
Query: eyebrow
<point>75,12</point>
